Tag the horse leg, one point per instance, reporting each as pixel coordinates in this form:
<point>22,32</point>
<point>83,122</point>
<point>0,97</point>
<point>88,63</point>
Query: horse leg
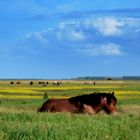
<point>87,109</point>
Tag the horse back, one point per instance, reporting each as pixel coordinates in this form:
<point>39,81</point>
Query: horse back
<point>59,105</point>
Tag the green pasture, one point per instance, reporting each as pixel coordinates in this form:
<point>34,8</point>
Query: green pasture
<point>19,119</point>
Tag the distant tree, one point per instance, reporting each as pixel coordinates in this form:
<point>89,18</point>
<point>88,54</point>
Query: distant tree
<point>109,78</point>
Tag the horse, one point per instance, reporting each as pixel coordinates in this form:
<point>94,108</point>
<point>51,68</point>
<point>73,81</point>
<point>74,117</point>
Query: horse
<point>86,104</point>
<point>98,101</point>
<point>56,83</point>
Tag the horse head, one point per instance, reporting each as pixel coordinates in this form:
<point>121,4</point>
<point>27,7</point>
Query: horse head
<point>109,102</point>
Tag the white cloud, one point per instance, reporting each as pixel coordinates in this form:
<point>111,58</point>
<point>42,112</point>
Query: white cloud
<point>70,31</point>
<point>76,36</point>
<point>109,49</point>
<point>94,37</point>
<point>107,26</point>
<point>70,35</point>
<point>40,36</point>
<point>132,22</point>
<point>62,25</point>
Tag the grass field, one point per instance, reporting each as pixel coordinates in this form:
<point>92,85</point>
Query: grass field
<point>20,121</point>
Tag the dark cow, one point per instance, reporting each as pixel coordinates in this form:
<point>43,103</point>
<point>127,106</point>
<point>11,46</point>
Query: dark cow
<point>12,83</point>
<point>18,83</point>
<point>31,83</point>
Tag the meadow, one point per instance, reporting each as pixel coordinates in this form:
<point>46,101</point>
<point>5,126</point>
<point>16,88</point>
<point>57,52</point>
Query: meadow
<point>19,119</point>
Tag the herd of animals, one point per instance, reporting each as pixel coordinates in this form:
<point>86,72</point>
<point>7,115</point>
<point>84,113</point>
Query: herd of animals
<point>44,83</point>
<point>47,83</point>
<point>85,104</point>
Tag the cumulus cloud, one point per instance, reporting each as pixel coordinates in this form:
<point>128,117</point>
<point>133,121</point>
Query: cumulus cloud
<point>98,36</point>
<point>70,31</point>
<point>109,49</point>
<point>76,36</point>
<point>106,26</point>
<point>40,36</point>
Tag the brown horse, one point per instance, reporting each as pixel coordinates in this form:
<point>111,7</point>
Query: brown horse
<point>88,103</point>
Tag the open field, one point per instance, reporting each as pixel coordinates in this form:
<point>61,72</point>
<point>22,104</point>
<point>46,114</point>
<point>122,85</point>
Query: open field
<point>19,120</point>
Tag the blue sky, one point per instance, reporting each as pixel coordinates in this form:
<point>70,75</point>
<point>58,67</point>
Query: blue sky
<point>64,39</point>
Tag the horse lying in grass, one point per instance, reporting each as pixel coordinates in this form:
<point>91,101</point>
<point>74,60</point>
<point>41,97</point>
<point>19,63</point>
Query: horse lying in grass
<point>87,104</point>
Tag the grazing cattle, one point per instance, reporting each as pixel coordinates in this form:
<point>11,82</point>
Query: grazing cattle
<point>89,83</point>
<point>56,83</point>
<point>31,83</point>
<point>18,83</point>
<point>39,82</point>
<point>11,83</point>
<point>88,103</point>
<point>44,83</point>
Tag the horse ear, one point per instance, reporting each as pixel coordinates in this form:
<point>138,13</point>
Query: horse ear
<point>104,101</point>
<point>113,93</point>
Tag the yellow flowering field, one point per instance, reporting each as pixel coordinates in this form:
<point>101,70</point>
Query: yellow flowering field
<point>24,91</point>
<point>18,90</point>
<point>19,97</point>
<point>127,92</point>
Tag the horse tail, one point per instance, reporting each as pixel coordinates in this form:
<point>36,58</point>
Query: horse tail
<point>41,109</point>
<point>45,107</point>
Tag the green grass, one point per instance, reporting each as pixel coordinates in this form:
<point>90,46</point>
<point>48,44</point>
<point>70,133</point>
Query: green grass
<point>19,119</point>
<point>58,126</point>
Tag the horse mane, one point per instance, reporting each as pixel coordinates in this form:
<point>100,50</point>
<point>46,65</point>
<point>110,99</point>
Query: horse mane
<point>93,99</point>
